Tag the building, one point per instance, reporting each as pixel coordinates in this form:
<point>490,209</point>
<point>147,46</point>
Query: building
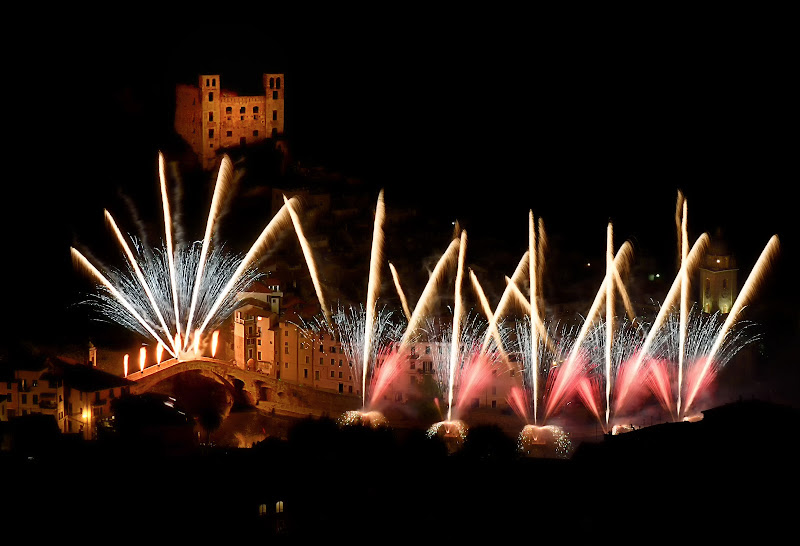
<point>77,396</point>
<point>718,278</point>
<point>279,346</point>
<point>212,119</point>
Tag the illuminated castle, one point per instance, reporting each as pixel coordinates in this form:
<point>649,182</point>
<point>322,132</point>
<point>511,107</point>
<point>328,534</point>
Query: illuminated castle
<point>212,119</point>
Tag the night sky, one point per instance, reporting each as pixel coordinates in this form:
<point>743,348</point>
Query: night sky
<point>585,119</point>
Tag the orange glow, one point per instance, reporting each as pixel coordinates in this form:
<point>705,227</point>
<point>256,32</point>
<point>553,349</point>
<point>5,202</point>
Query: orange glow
<point>215,339</point>
<point>142,358</point>
<point>196,344</point>
<point>125,366</point>
<point>159,352</point>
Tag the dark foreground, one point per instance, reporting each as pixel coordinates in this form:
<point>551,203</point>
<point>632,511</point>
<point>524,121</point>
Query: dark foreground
<point>733,474</point>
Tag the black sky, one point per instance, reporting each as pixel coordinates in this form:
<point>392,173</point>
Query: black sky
<point>583,118</point>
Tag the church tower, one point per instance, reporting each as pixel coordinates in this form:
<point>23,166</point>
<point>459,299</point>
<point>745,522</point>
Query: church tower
<point>718,278</point>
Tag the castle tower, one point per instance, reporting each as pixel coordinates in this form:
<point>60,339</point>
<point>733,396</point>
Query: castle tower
<point>213,120</point>
<point>718,278</point>
<point>274,89</point>
<point>210,99</point>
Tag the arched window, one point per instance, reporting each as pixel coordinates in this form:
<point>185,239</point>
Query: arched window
<point>262,509</point>
<point>228,110</point>
<point>278,83</point>
<point>272,83</point>
<point>279,507</point>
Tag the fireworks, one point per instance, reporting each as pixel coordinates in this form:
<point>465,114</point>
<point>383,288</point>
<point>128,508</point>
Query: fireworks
<point>174,294</point>
<point>454,433</point>
<point>545,442</point>
<point>611,362</point>
<point>372,419</point>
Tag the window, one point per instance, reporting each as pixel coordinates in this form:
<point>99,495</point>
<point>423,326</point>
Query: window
<point>211,133</point>
<point>274,115</point>
<point>305,373</point>
<point>211,97</point>
<point>228,133</point>
<point>340,375</point>
<point>316,375</point>
<point>255,133</point>
<point>259,355</point>
<point>35,399</point>
<point>278,83</point>
<point>286,350</point>
<point>332,374</point>
<point>242,110</point>
<point>255,109</point>
<point>286,365</point>
<point>340,362</point>
<point>211,116</point>
<point>333,362</point>
<point>275,95</point>
<point>321,362</point>
<point>25,396</point>
<point>228,110</point>
<point>279,507</point>
<point>333,349</point>
<point>272,83</point>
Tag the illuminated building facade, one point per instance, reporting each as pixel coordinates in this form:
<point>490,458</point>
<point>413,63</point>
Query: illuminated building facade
<point>212,119</point>
<point>76,395</point>
<point>718,277</point>
<point>281,349</point>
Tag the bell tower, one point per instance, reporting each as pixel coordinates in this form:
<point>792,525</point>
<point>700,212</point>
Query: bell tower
<point>718,278</point>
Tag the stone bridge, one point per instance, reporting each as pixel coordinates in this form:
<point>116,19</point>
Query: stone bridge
<point>255,388</point>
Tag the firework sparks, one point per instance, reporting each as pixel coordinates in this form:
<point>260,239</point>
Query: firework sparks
<point>168,292</point>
